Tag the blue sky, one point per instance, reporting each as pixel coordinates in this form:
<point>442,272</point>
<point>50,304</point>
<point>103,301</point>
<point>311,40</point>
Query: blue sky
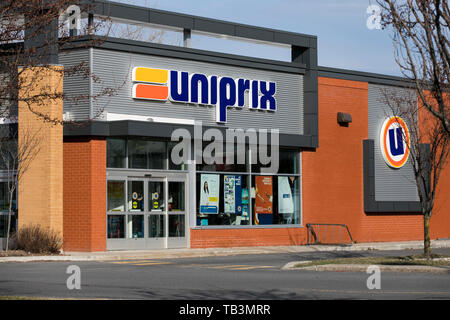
<point>344,41</point>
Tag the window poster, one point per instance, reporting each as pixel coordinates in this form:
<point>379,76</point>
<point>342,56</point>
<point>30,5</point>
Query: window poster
<point>244,202</point>
<point>209,194</point>
<point>156,203</point>
<point>263,195</point>
<point>285,199</point>
<point>232,188</point>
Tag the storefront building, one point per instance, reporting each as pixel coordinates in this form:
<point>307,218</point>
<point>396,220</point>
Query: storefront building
<point>268,146</point>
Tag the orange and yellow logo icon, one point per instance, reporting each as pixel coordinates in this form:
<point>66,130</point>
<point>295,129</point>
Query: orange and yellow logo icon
<point>152,83</point>
<point>394,142</point>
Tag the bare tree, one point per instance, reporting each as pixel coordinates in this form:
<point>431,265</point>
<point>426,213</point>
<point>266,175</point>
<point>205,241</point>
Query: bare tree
<point>15,159</point>
<point>33,33</point>
<point>421,38</point>
<point>428,145</point>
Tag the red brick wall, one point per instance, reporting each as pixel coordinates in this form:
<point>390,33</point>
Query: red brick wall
<point>333,174</point>
<point>332,187</point>
<point>440,218</point>
<point>332,183</point>
<point>210,238</point>
<point>85,195</point>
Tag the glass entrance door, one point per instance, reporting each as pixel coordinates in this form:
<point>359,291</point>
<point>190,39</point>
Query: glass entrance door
<point>153,215</point>
<point>167,212</point>
<point>157,213</point>
<point>176,214</point>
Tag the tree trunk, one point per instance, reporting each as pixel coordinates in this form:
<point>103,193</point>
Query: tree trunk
<point>9,219</point>
<point>426,238</point>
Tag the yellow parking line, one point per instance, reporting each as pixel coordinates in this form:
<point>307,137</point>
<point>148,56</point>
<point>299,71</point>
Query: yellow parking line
<point>150,263</point>
<point>191,265</point>
<point>131,261</point>
<point>253,267</point>
<point>227,267</point>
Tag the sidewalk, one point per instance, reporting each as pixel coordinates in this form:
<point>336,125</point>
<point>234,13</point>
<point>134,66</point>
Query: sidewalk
<point>191,253</point>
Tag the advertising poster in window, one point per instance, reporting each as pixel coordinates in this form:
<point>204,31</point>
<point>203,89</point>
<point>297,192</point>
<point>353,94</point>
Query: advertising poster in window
<point>232,188</point>
<point>244,202</point>
<point>263,195</point>
<point>209,194</point>
<point>285,199</point>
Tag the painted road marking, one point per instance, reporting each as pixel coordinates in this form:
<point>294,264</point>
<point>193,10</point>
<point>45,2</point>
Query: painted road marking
<point>141,262</point>
<point>151,263</point>
<point>254,267</point>
<point>207,266</point>
<point>229,267</point>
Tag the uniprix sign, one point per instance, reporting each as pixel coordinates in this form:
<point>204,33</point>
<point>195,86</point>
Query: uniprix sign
<point>197,88</point>
<point>394,142</point>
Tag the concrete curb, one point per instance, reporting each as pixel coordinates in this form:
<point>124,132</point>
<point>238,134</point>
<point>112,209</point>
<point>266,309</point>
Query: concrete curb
<point>363,268</point>
<point>209,252</point>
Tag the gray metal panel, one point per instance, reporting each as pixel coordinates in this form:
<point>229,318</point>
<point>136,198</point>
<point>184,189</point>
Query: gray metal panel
<point>114,67</point>
<point>371,206</point>
<point>178,20</point>
<point>390,184</point>
<point>369,77</point>
<point>168,51</point>
<point>123,128</point>
<point>76,85</point>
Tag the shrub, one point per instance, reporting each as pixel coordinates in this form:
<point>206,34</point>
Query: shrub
<point>36,239</point>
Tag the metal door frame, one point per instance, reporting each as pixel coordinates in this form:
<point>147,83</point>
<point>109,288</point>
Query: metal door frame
<point>147,243</point>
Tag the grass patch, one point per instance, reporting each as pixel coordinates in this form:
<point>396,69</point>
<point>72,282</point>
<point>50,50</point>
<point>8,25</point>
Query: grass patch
<point>417,260</point>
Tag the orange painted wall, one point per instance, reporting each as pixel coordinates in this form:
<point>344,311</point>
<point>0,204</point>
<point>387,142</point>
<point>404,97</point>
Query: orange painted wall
<point>85,195</point>
<point>333,174</point>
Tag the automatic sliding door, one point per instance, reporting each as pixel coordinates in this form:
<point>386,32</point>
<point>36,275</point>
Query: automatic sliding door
<point>147,213</point>
<point>157,212</point>
<point>176,214</point>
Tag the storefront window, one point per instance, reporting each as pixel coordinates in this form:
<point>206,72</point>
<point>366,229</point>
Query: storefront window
<point>4,209</point>
<point>146,154</point>
<point>289,161</point>
<point>156,196</point>
<point>275,199</point>
<point>9,148</point>
<point>116,153</point>
<point>116,226</point>
<point>4,224</point>
<point>156,226</point>
<point>235,194</point>
<point>176,196</point>
<point>251,198</point>
<point>222,199</point>
<point>135,196</point>
<point>176,225</point>
<point>4,197</point>
<point>215,159</point>
<point>172,165</point>
<point>137,154</point>
<point>116,195</point>
<point>135,226</point>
